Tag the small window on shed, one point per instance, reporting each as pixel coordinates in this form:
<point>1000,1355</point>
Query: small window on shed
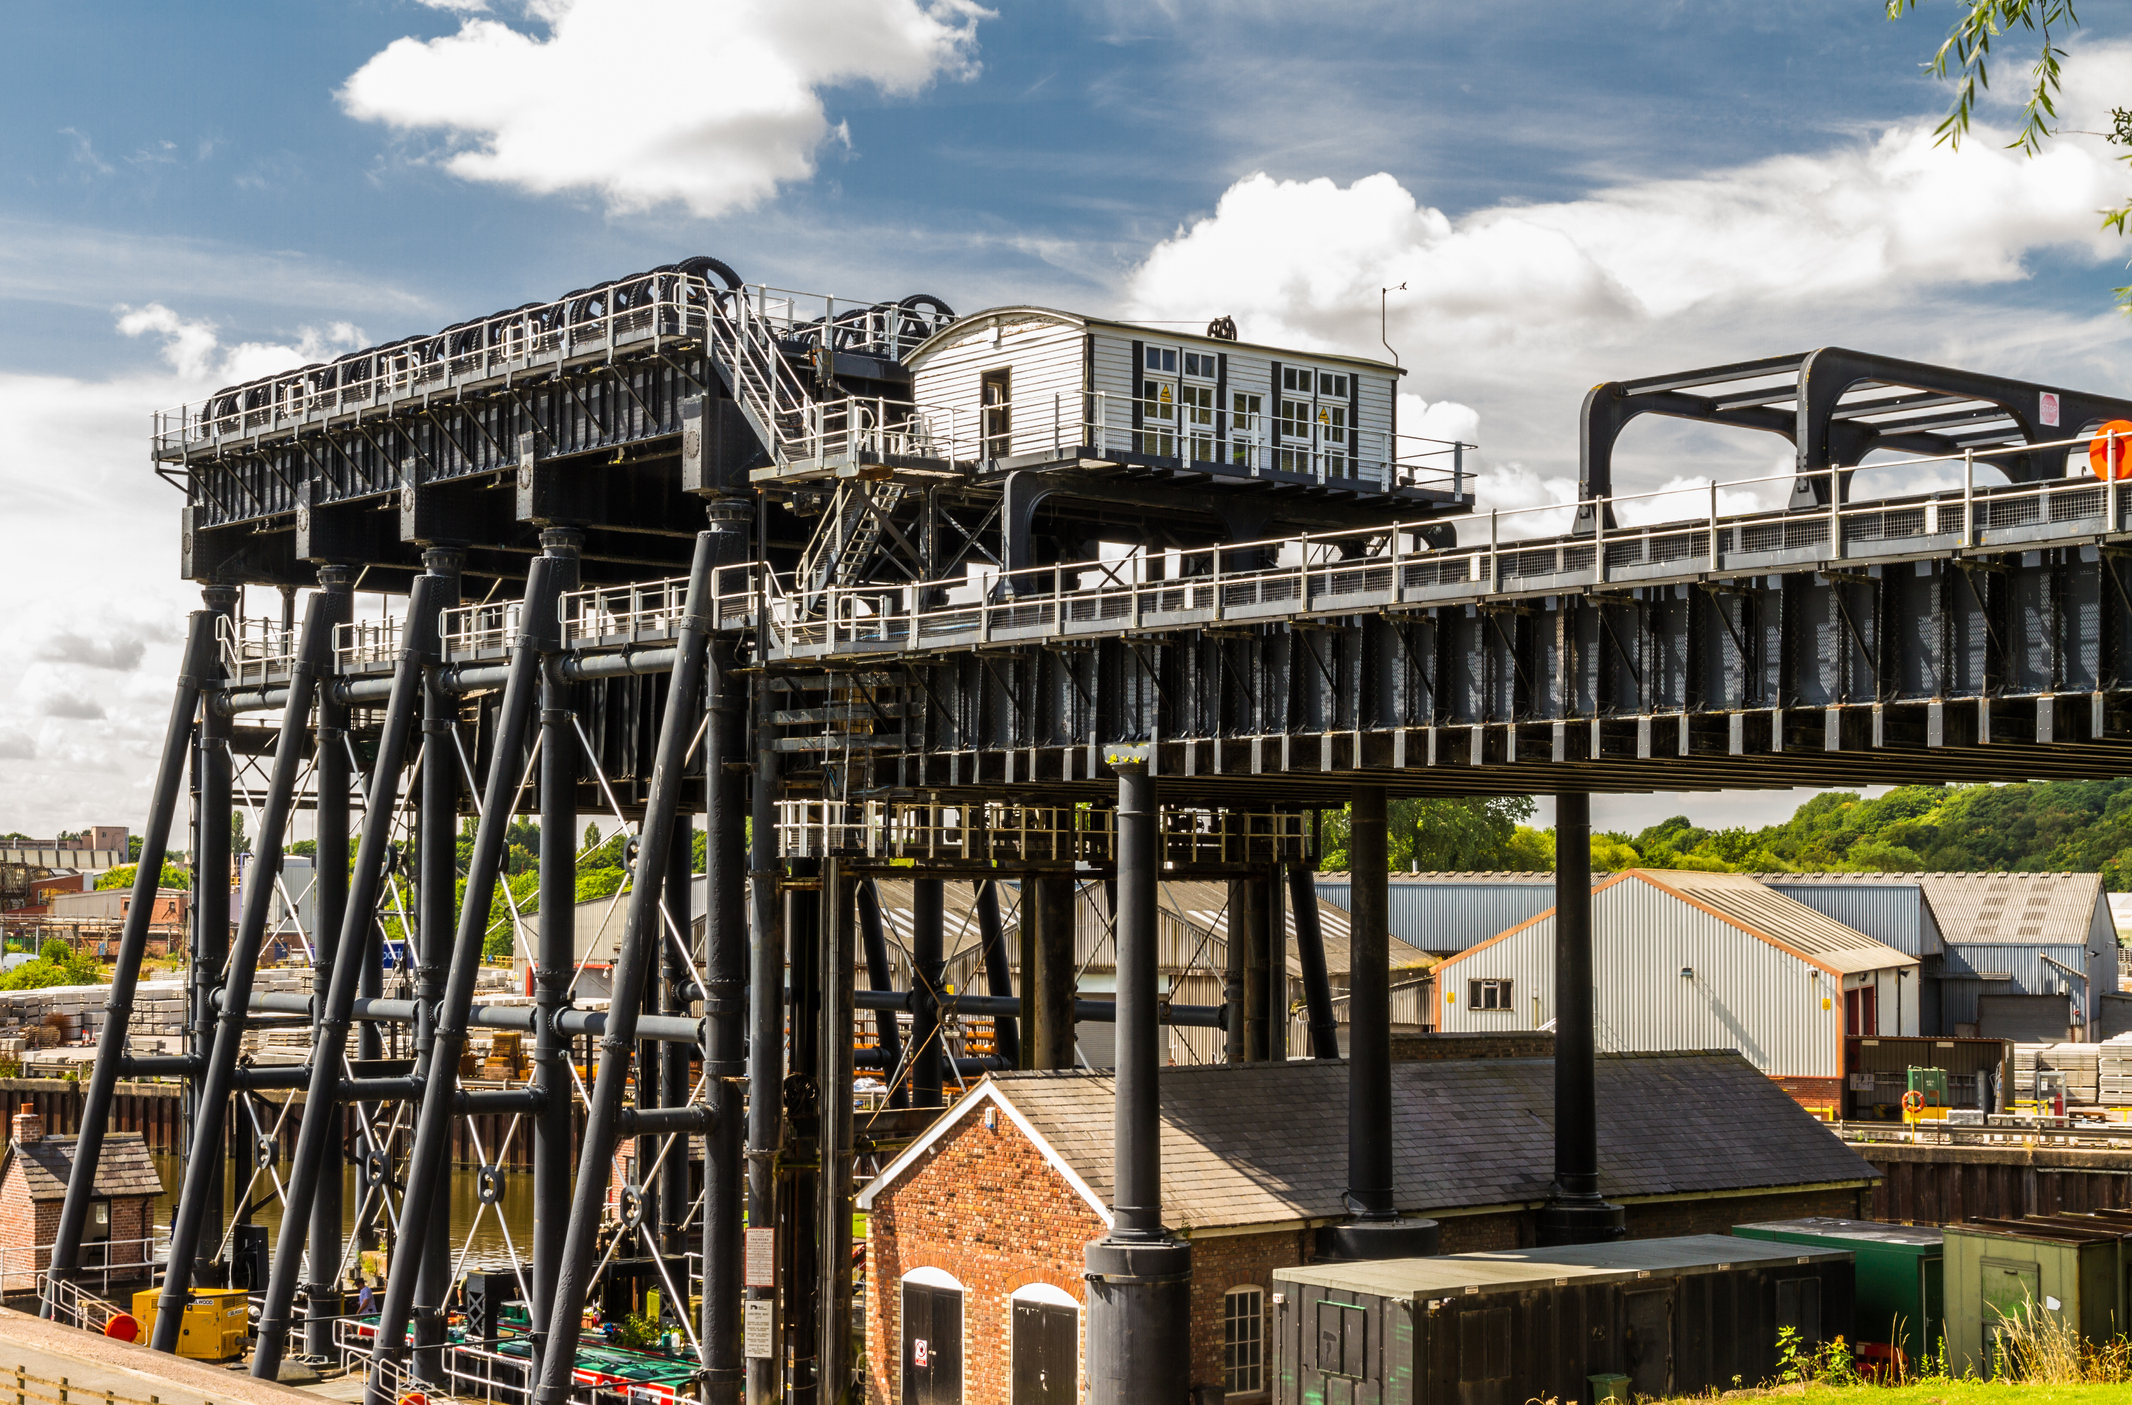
<point>1488,995</point>
<point>1243,1339</point>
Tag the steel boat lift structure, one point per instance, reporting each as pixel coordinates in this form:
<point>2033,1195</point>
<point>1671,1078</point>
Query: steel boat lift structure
<point>683,550</point>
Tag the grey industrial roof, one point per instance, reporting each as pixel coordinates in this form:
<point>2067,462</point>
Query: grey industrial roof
<point>1871,1231</point>
<point>1998,908</point>
<point>46,1164</point>
<point>1779,918</point>
<point>1246,1144</point>
<point>1520,1268</point>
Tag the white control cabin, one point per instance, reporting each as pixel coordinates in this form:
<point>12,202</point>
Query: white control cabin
<point>1023,387</point>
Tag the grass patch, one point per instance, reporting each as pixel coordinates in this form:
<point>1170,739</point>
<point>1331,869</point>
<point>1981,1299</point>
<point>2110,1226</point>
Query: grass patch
<point>1956,1392</point>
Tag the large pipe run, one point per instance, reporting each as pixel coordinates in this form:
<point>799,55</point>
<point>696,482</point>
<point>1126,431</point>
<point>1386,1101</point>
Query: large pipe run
<point>725,920</point>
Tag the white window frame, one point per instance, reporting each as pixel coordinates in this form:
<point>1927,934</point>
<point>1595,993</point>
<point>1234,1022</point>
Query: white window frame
<point>1502,986</point>
<point>1248,1379</point>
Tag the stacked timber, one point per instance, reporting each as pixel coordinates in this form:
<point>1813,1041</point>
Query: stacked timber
<point>2113,1069</point>
<point>2080,1063</point>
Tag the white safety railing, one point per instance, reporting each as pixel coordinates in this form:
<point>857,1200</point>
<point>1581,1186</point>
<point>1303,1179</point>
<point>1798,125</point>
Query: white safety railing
<point>1341,572</point>
<point>359,643</point>
<point>1004,831</point>
<point>651,611</point>
<point>655,307</point>
<point>470,631</point>
<point>254,650</point>
<point>103,1262</point>
<point>1100,424</point>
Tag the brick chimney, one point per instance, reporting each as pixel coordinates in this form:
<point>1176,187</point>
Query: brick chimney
<point>29,1127</point>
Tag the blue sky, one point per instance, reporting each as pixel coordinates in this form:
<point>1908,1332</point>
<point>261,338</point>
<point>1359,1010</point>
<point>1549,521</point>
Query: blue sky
<point>1573,191</point>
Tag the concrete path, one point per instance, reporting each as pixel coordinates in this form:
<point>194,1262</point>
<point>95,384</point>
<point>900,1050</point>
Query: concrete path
<point>92,1365</point>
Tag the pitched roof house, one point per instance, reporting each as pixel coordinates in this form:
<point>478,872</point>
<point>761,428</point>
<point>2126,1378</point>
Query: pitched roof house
<point>33,1185</point>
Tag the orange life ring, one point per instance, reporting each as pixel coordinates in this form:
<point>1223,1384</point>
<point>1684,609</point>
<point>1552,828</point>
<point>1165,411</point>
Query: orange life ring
<point>1913,1101</point>
<point>2106,451</point>
<point>123,1327</point>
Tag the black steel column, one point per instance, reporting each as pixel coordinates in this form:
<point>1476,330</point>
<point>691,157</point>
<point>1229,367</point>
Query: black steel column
<point>436,883</point>
<point>880,975</point>
<point>928,919</point>
<point>635,965</point>
<point>322,1291</point>
<point>1575,1213</point>
<point>833,1135</point>
<point>1139,1279</point>
<point>1310,955</point>
<point>673,1057</point>
<point>1375,1231</point>
<point>725,919</point>
<point>318,1139</point>
<point>1277,996</point>
<point>314,652</point>
<point>766,1034</point>
<point>1235,1034</point>
<point>1053,902</point>
<point>193,665</point>
<point>799,1267</point>
<point>554,958</point>
<point>212,869</point>
<point>999,979</point>
<point>425,1210</point>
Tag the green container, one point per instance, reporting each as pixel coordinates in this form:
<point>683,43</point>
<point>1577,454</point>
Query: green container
<point>1609,1389</point>
<point>1899,1303</point>
<point>2068,1268</point>
<point>1932,1082</point>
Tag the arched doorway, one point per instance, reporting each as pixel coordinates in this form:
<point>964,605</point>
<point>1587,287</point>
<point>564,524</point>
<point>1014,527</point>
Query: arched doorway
<point>932,1338</point>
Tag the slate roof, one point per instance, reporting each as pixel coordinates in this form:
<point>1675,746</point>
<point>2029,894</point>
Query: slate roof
<point>1246,1144</point>
<point>125,1168</point>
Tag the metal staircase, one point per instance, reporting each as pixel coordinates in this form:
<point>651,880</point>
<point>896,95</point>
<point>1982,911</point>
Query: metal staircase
<point>848,540</point>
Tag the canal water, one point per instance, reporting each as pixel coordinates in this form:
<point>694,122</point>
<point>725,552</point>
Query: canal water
<point>488,1249</point>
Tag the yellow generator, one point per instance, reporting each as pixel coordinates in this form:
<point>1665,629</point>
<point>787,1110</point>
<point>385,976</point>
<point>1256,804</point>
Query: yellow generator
<point>214,1328</point>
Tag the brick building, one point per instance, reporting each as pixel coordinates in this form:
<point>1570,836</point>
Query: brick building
<point>975,1235</point>
<point>33,1184</point>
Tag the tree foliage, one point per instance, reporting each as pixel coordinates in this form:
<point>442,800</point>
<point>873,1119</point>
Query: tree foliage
<point>123,876</point>
<point>57,964</point>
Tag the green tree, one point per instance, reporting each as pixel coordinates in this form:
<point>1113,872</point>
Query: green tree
<point>123,876</point>
<point>238,844</point>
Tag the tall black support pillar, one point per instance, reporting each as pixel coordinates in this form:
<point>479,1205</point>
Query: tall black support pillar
<point>1051,900</point>
<point>766,1036</point>
<point>880,976</point>
<point>1575,1213</point>
<point>635,965</point>
<point>1276,994</point>
<point>799,1266</point>
<point>999,980</point>
<point>1236,1037</point>
<point>212,870</point>
<point>318,1139</point>
<point>132,946</point>
<point>834,1137</point>
<point>554,957</point>
<point>928,922</point>
<point>322,1289</point>
<point>233,999</point>
<point>725,919</point>
<point>1310,956</point>
<point>436,883</point>
<point>1246,987</point>
<point>673,1057</point>
<point>1375,1230</point>
<point>1139,1278</point>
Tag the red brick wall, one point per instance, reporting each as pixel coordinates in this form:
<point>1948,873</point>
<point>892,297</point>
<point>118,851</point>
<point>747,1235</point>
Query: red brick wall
<point>1235,1261</point>
<point>987,1208</point>
<point>1821,1096</point>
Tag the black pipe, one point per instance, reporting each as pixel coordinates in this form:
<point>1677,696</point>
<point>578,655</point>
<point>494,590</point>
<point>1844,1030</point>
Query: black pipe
<point>1236,977</point>
<point>725,924</point>
<point>436,872</point>
<point>677,1119</point>
<point>212,846</point>
<point>1008,1006</point>
<point>1277,994</point>
<point>425,1207</point>
<point>766,1027</point>
<point>674,1059</point>
<point>801,1267</point>
<point>1575,1213</point>
<point>1055,901</point>
<point>554,957</point>
<point>1139,1278</point>
<point>974,1067</point>
<point>314,653</point>
<point>132,946</point>
<point>999,980</point>
<point>456,678</point>
<point>323,1300</point>
<point>881,977</point>
<point>1310,955</point>
<point>318,1139</point>
<point>633,967</point>
<point>928,975</point>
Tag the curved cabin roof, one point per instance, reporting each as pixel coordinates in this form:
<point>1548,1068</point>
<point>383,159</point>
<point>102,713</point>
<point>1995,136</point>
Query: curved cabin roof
<point>1003,316</point>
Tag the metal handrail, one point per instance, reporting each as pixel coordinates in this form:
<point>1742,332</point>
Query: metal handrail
<point>1006,830</point>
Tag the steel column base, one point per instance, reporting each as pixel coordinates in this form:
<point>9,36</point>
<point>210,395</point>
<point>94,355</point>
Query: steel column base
<point>1580,1219</point>
<point>1360,1240</point>
<point>1139,1321</point>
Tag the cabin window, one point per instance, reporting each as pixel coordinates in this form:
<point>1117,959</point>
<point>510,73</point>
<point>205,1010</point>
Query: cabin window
<point>997,394</point>
<point>1196,406</point>
<point>1243,1339</point>
<point>1244,413</point>
<point>1162,359</point>
<point>1158,417</point>
<point>1203,364</point>
<point>1332,387</point>
<point>1487,995</point>
<point>1295,379</point>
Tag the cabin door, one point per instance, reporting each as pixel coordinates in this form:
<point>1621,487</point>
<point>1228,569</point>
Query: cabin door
<point>997,394</point>
<point>1047,1354</point>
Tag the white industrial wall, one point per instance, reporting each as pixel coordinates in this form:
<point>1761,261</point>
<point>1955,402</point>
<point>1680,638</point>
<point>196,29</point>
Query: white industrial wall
<point>1784,1015</point>
<point>1895,997</point>
<point>1045,358</point>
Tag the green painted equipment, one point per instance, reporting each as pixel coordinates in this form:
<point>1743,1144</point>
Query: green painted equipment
<point>2070,1269</point>
<point>1898,1304</point>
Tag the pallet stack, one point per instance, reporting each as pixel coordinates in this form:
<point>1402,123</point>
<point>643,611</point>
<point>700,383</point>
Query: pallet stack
<point>2113,1071</point>
<point>2080,1063</point>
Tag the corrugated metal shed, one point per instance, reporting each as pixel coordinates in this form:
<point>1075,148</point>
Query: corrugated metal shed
<point>1447,912</point>
<point>1675,970</point>
<point>1889,908</point>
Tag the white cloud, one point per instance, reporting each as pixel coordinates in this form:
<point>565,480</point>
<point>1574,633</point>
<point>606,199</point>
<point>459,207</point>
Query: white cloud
<point>712,103</point>
<point>1885,241</point>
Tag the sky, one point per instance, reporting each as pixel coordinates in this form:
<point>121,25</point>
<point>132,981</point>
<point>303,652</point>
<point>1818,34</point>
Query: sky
<point>191,194</point>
